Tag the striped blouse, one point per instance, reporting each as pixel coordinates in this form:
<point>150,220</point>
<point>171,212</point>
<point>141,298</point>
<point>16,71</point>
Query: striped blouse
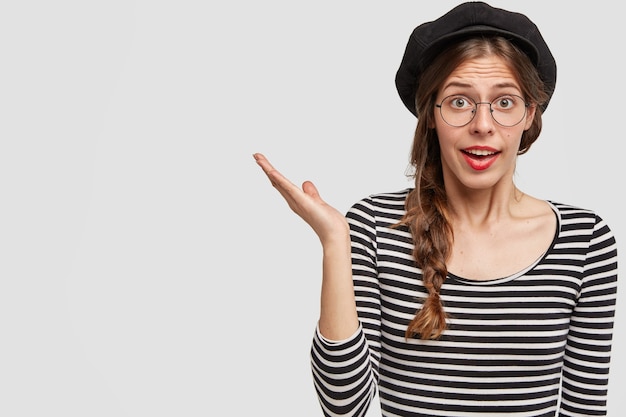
<point>524,345</point>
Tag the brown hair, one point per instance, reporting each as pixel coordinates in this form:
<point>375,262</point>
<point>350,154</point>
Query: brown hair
<point>427,214</point>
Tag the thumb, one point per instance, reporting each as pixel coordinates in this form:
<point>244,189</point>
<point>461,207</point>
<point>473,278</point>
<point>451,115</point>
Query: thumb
<point>311,190</point>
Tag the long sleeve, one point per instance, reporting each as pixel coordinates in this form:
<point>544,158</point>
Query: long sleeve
<point>588,349</point>
<point>345,373</point>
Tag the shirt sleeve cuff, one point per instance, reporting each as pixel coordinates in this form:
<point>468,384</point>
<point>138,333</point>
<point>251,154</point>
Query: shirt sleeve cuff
<point>330,342</point>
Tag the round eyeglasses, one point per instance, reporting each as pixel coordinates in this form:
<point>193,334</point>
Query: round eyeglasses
<point>458,110</point>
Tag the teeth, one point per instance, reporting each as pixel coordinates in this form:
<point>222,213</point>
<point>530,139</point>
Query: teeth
<point>480,152</point>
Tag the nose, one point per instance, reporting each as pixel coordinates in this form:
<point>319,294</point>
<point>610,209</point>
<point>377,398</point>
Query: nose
<point>482,120</point>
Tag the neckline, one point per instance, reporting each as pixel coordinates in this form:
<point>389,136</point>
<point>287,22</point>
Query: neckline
<point>525,270</point>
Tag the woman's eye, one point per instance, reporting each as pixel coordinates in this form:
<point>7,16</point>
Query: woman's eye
<point>459,102</point>
<point>505,102</point>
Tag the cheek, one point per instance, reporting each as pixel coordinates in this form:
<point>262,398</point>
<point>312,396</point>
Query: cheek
<point>515,138</point>
<point>438,125</point>
<point>447,144</point>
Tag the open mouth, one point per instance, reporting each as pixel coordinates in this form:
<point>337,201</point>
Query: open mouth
<point>479,153</point>
<point>480,159</point>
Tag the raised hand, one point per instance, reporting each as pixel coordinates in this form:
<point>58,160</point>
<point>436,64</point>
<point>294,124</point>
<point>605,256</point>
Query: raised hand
<point>338,316</point>
<point>327,222</point>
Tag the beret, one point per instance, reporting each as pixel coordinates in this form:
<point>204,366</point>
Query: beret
<point>468,20</point>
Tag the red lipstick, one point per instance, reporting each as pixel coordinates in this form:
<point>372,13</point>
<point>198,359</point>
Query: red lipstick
<point>480,158</point>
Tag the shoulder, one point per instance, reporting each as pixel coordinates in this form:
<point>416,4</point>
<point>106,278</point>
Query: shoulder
<point>579,220</point>
<point>381,208</point>
<point>572,213</point>
<point>569,208</point>
<point>393,199</point>
<point>383,202</point>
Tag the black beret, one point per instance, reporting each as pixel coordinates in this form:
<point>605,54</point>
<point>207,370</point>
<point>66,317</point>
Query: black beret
<point>467,20</point>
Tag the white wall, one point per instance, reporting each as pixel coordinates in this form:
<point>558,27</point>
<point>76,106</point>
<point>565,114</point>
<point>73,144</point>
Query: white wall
<point>147,266</point>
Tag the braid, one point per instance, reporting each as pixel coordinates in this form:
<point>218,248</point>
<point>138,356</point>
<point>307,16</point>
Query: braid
<point>433,235</point>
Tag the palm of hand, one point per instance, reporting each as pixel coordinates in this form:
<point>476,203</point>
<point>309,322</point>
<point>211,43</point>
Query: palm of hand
<point>326,221</point>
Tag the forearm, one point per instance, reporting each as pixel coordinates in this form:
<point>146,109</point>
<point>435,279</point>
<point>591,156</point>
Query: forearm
<point>338,315</point>
<point>344,355</point>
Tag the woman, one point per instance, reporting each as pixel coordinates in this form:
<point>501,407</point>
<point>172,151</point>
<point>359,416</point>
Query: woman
<point>464,296</point>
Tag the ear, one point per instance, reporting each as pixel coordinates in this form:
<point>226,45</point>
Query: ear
<point>530,116</point>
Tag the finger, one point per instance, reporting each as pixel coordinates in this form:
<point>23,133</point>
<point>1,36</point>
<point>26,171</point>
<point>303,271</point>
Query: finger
<point>286,188</point>
<point>275,177</point>
<point>309,188</point>
<point>262,161</point>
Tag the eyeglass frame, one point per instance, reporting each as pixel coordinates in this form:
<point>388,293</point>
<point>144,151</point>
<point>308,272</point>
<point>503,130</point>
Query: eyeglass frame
<point>475,110</point>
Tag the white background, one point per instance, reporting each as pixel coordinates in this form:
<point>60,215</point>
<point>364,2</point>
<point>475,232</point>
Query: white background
<point>147,267</point>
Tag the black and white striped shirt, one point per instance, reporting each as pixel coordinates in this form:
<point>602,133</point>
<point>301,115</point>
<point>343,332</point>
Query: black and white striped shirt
<point>523,345</point>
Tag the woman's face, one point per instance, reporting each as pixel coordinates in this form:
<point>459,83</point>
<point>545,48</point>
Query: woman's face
<point>482,153</point>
